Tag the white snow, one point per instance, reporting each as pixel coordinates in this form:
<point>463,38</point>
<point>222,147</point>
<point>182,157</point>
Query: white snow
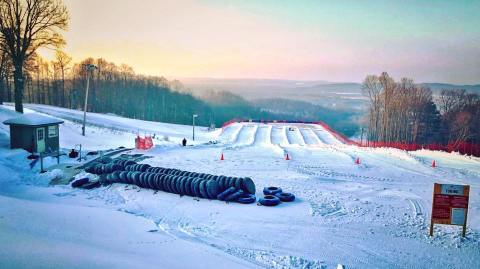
<point>372,215</point>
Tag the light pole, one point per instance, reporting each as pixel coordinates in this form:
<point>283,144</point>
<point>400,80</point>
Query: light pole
<point>193,125</point>
<point>89,68</point>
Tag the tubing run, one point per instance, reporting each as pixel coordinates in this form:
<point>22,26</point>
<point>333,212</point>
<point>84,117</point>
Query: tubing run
<point>464,148</point>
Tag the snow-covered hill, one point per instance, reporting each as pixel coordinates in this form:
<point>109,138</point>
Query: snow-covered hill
<point>372,215</point>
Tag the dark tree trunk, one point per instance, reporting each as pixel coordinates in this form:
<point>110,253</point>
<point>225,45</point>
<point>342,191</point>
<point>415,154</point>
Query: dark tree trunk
<point>19,84</point>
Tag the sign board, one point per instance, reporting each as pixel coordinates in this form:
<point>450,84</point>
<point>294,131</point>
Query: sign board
<point>450,205</point>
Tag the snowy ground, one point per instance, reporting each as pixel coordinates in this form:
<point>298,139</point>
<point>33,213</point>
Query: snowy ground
<point>372,215</point>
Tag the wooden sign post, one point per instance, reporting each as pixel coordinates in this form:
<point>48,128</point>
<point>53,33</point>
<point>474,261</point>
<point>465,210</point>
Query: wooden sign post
<point>450,205</point>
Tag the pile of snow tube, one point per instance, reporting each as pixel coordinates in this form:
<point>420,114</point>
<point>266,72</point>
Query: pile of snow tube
<point>237,189</point>
<point>275,195</point>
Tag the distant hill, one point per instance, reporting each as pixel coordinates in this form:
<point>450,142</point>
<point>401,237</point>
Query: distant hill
<point>334,95</point>
<point>438,87</point>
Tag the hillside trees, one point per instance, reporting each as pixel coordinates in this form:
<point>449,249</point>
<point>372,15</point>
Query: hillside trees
<point>406,112</point>
<point>460,116</point>
<point>400,111</point>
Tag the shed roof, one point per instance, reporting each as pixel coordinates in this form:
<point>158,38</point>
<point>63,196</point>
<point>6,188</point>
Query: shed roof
<point>32,119</point>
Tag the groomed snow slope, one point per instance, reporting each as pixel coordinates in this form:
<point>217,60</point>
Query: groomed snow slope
<point>373,215</point>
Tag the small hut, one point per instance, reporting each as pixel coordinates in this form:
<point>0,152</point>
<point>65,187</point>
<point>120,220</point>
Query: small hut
<point>34,133</point>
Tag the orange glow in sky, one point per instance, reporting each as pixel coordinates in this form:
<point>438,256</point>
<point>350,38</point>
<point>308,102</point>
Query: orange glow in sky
<point>299,40</point>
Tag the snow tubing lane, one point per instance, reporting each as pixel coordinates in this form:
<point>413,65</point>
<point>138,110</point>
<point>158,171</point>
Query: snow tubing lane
<point>269,200</point>
<point>272,190</point>
<point>285,196</point>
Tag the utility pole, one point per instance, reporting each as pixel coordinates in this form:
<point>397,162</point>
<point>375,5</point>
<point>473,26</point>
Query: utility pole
<point>193,126</point>
<point>89,68</point>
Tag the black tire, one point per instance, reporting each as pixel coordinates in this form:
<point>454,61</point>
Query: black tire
<point>225,193</point>
<point>234,196</point>
<point>178,185</point>
<point>174,184</point>
<point>203,189</point>
<point>136,178</point>
<point>129,162</point>
<point>247,198</point>
<point>248,185</point>
<point>129,175</point>
<point>168,183</point>
<point>237,183</point>
<point>123,177</point>
<point>269,200</point>
<point>115,176</point>
<point>151,181</point>
<point>151,169</point>
<point>164,183</point>
<point>163,179</point>
<point>196,187</point>
<point>141,179</point>
<point>285,197</point>
<point>80,182</point>
<point>230,182</point>
<point>192,187</point>
<point>155,181</point>
<point>188,186</point>
<point>212,189</point>
<point>271,190</point>
<point>220,181</point>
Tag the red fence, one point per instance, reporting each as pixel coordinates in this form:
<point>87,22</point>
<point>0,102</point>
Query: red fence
<point>460,147</point>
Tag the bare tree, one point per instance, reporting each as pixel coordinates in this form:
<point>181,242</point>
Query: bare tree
<point>4,70</point>
<point>61,63</point>
<point>25,26</point>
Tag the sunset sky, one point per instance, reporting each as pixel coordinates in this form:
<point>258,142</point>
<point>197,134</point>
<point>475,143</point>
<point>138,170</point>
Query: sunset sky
<point>430,41</point>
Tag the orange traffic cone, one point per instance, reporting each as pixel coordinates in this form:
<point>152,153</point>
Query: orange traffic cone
<point>287,158</point>
<point>434,164</point>
<point>357,161</point>
<point>221,157</point>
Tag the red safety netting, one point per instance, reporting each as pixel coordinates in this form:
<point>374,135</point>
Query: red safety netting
<point>143,143</point>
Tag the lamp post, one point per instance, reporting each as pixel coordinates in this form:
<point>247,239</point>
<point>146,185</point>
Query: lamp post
<point>89,68</point>
<point>193,126</point>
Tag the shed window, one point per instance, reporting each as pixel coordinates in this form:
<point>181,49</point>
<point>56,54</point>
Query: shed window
<point>53,131</point>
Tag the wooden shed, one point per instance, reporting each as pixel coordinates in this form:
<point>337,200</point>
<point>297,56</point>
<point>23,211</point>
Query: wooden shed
<point>34,133</point>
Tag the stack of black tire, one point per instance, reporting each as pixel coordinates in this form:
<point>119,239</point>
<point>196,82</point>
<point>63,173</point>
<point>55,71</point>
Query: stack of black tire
<point>240,189</point>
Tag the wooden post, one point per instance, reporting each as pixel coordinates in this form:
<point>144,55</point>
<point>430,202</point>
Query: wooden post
<point>41,162</point>
<point>431,215</point>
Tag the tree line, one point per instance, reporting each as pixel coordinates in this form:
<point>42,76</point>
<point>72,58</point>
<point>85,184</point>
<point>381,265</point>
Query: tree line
<point>118,89</point>
<point>405,112</point>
